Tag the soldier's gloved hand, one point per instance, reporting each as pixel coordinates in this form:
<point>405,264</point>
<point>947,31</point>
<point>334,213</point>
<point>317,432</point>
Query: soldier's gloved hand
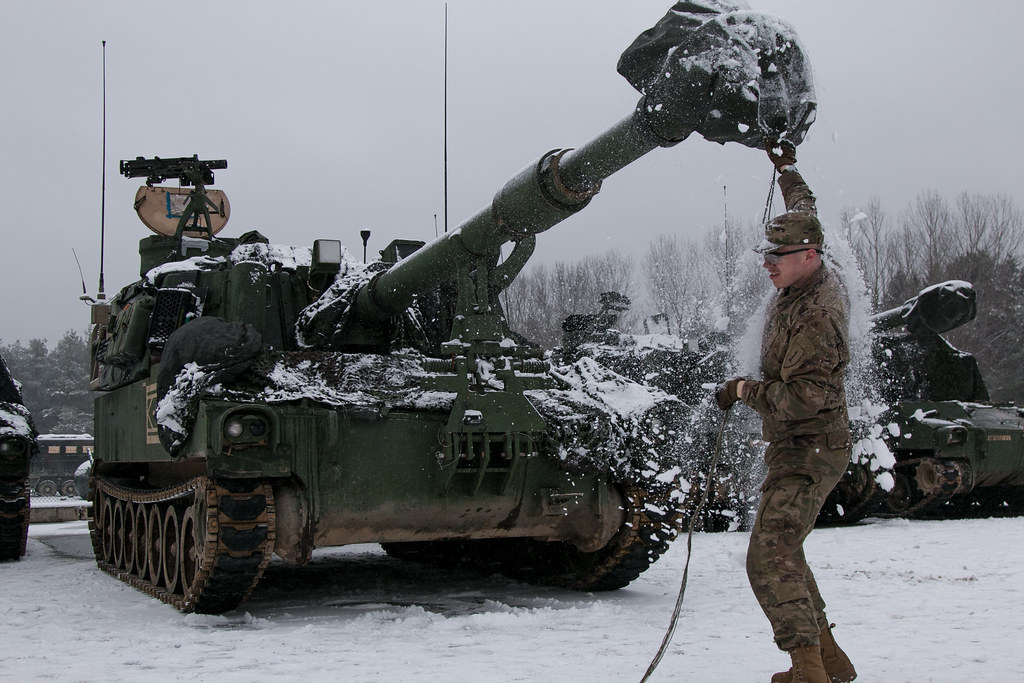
<point>782,153</point>
<point>728,393</point>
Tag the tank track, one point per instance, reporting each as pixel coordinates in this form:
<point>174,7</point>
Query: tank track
<point>643,537</point>
<point>14,516</point>
<point>908,500</point>
<point>200,545</point>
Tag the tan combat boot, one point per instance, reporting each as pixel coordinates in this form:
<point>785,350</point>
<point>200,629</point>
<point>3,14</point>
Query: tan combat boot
<point>807,665</point>
<point>837,665</point>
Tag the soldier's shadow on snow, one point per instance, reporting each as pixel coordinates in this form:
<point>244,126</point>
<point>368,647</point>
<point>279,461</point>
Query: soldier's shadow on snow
<point>353,581</point>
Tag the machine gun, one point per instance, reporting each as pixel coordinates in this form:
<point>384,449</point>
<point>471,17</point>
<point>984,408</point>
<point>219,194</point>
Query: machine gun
<point>189,171</point>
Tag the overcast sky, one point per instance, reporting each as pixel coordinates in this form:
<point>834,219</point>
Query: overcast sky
<point>331,116</point>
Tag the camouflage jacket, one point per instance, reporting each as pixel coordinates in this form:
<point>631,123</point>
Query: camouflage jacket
<point>804,353</point>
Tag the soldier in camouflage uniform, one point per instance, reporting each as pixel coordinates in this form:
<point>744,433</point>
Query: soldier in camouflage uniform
<point>802,403</point>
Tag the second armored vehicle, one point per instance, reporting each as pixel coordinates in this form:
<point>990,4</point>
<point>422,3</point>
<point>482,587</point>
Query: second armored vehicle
<point>954,449</point>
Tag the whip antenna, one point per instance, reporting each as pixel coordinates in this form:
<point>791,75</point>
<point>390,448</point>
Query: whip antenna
<point>85,293</point>
<point>103,174</point>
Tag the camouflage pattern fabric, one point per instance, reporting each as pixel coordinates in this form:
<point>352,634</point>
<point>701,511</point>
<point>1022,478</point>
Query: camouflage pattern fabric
<point>801,399</point>
<point>804,353</point>
<point>801,473</point>
<point>797,194</point>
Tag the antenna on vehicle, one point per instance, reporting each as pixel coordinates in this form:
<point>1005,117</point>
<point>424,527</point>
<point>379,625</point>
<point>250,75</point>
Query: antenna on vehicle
<point>85,293</point>
<point>103,183</point>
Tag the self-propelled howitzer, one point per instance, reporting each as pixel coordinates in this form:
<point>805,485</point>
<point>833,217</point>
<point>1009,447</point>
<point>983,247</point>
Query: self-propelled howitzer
<point>257,399</point>
<point>954,450</point>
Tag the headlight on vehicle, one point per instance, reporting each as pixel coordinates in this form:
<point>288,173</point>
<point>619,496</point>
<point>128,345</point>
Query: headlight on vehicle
<point>12,448</point>
<point>246,428</point>
<point>956,435</point>
<point>234,428</point>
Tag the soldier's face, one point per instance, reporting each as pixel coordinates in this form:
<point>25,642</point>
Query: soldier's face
<point>790,265</point>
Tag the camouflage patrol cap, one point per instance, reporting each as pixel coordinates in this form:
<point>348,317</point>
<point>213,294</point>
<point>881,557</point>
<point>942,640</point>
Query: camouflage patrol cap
<point>791,228</point>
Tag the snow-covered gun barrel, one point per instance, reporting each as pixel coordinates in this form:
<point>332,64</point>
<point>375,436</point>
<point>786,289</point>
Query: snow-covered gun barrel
<point>936,309</point>
<point>258,399</point>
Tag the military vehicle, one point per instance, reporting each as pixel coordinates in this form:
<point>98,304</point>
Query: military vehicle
<point>17,446</point>
<point>683,368</point>
<point>256,399</point>
<point>53,469</point>
<point>953,448</point>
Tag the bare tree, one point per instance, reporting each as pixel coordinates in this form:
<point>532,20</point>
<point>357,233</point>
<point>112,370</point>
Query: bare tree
<point>866,232</point>
<point>987,224</point>
<point>929,222</point>
<point>540,299</point>
<point>676,283</point>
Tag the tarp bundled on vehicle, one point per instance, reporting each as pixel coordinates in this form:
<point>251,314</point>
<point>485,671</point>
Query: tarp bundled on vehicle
<point>729,73</point>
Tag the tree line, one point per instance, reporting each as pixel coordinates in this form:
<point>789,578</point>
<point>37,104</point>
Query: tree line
<point>714,282</point>
<point>54,382</point>
<point>691,287</point>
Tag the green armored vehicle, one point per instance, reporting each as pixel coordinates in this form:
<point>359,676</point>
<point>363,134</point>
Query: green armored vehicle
<point>684,368</point>
<point>256,399</point>
<point>17,446</point>
<point>953,448</point>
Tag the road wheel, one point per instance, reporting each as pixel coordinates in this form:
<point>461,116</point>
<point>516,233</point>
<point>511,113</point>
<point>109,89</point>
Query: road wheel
<point>130,535</point>
<point>117,534</point>
<point>901,497</point>
<point>107,529</point>
<point>171,549</point>
<point>155,544</point>
<point>46,488</point>
<point>191,548</point>
<point>141,547</point>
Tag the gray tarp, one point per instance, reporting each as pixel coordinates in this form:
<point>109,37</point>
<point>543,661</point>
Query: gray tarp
<point>724,71</point>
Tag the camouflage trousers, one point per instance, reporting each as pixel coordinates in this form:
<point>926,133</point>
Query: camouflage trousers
<point>801,473</point>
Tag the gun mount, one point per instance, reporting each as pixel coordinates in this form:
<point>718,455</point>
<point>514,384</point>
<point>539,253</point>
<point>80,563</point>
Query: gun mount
<point>190,171</point>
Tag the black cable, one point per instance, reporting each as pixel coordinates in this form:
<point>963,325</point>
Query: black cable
<point>689,548</point>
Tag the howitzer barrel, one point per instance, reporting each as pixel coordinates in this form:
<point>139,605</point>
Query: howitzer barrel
<point>936,309</point>
<point>700,70</point>
<point>542,195</point>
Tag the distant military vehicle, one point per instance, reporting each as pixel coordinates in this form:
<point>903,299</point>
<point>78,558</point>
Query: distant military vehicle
<point>954,448</point>
<point>256,399</point>
<point>17,446</point>
<point>53,469</point>
<point>684,368</point>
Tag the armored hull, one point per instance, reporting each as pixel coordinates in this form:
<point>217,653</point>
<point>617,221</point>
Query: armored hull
<point>17,446</point>
<point>955,452</point>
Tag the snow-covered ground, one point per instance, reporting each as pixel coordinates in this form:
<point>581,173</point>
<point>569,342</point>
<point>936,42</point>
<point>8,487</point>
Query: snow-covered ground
<point>914,600</point>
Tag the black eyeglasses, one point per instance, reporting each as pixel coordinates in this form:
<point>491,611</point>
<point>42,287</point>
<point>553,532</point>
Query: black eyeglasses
<point>773,257</point>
